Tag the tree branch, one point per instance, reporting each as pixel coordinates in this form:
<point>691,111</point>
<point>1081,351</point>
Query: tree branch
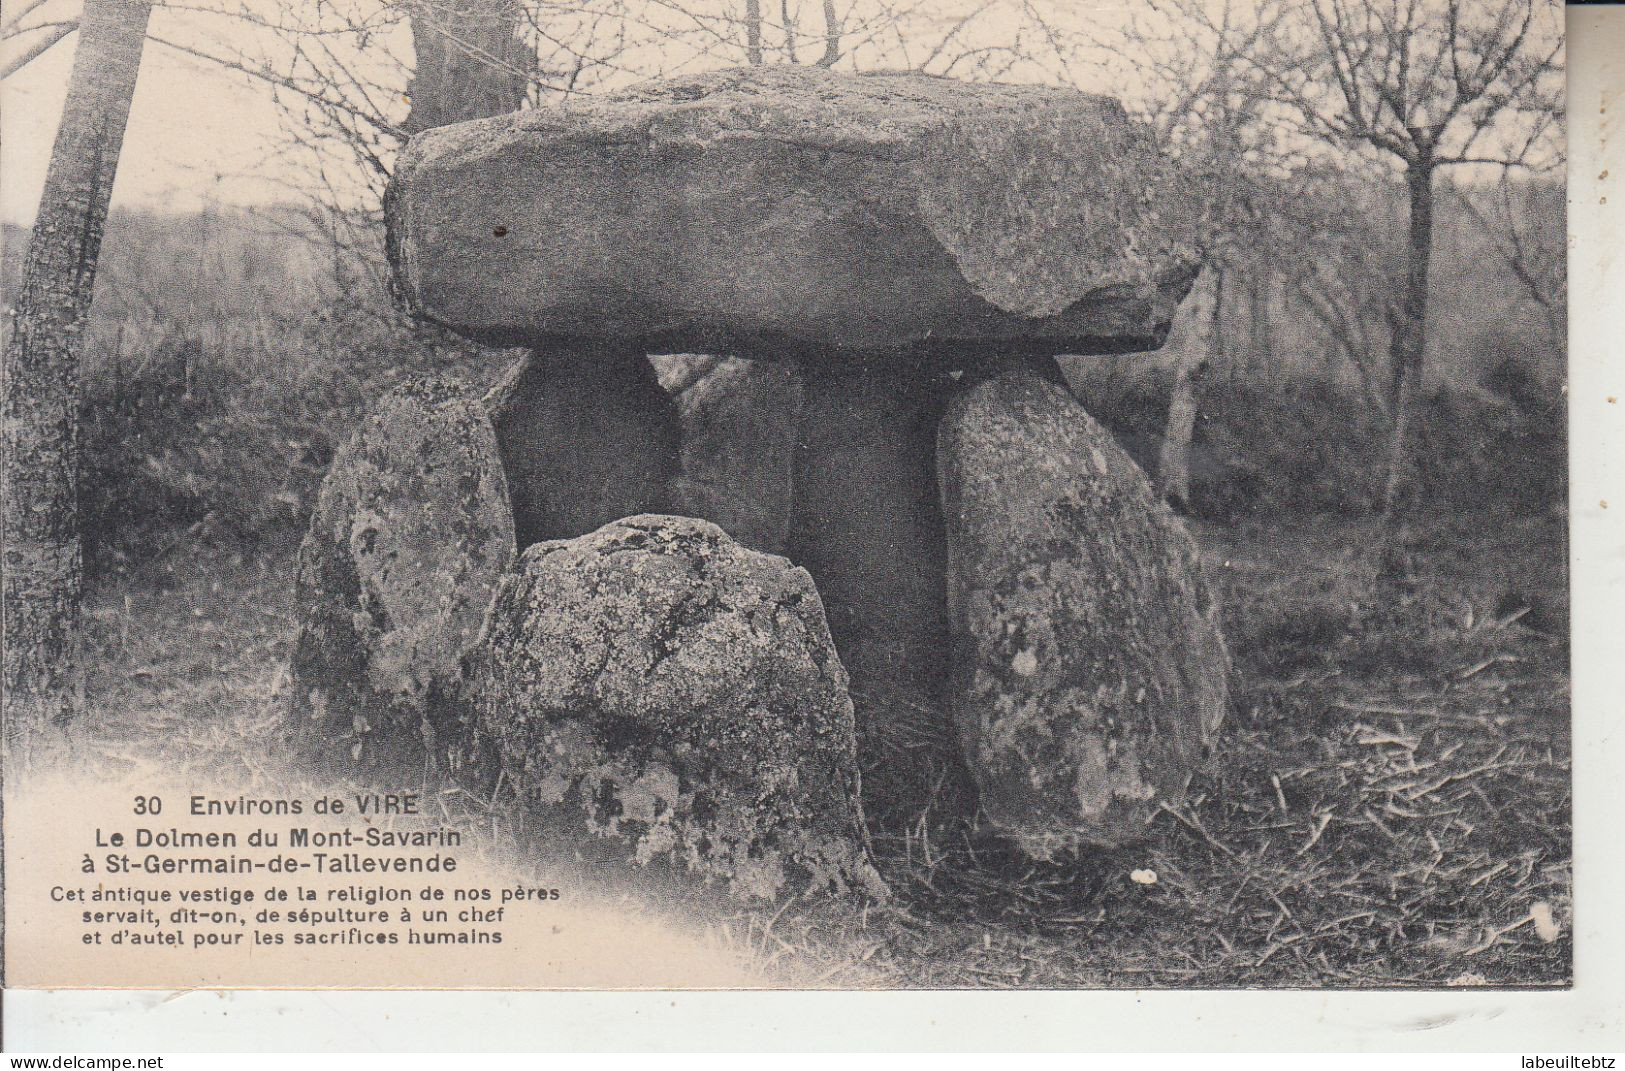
<point>58,31</point>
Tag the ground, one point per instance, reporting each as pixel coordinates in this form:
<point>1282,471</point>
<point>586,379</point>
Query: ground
<point>1388,805</point>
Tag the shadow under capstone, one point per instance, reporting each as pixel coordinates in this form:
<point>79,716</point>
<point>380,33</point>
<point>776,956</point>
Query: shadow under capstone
<point>587,436</point>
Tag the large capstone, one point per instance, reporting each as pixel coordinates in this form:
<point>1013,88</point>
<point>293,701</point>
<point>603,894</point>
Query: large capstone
<point>793,212</point>
<point>410,535</point>
<point>1091,671</point>
<point>656,683</point>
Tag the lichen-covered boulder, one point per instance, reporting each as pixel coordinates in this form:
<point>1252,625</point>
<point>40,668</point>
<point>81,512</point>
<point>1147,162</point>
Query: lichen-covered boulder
<point>411,532</point>
<point>739,423</point>
<point>657,683</point>
<point>1091,672</point>
<point>792,212</point>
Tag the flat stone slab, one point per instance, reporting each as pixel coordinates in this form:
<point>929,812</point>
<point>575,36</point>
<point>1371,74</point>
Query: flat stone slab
<point>776,212</point>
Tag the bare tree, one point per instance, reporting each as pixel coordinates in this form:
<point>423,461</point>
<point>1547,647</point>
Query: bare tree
<point>1333,242</point>
<point>42,681</point>
<point>343,72</point>
<point>471,61</point>
<point>1195,341</point>
<point>1406,87</point>
<point>1421,85</point>
<point>1523,221</point>
<point>753,32</point>
<point>1206,103</point>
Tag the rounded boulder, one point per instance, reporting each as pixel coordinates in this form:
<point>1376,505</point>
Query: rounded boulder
<point>656,683</point>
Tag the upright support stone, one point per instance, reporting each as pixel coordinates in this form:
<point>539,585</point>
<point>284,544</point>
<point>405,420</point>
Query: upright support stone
<point>866,523</point>
<point>657,684</point>
<point>587,436</point>
<point>408,540</point>
<point>739,438</point>
<point>1090,672</point>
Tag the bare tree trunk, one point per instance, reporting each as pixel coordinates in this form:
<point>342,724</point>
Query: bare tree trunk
<point>788,21</point>
<point>1195,345</point>
<point>471,61</point>
<point>43,683</point>
<point>1258,326</point>
<point>832,36</point>
<point>753,32</point>
<point>1407,348</point>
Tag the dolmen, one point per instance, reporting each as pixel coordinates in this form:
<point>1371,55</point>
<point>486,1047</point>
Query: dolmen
<point>876,273</point>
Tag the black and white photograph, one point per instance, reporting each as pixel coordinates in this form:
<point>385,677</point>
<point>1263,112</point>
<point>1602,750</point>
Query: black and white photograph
<point>787,494</point>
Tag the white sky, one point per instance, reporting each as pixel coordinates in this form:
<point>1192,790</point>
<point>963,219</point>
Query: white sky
<point>201,134</point>
<point>197,132</point>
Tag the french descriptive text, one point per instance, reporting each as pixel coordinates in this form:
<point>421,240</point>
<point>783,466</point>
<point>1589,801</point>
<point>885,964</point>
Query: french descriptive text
<point>370,869</point>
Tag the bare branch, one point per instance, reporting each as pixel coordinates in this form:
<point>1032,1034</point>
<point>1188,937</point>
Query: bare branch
<point>28,7</point>
<point>265,74</point>
<point>54,33</point>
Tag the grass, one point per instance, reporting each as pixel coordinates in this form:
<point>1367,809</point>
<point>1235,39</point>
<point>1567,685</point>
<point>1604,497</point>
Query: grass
<point>1389,804</point>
